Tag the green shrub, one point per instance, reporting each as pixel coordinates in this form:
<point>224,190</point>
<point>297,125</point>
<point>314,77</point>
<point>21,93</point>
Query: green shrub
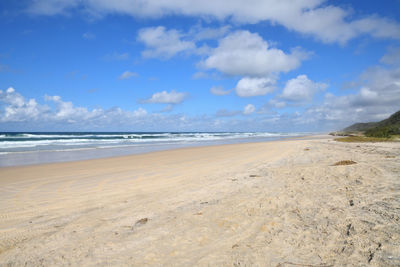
<point>380,132</point>
<point>362,139</point>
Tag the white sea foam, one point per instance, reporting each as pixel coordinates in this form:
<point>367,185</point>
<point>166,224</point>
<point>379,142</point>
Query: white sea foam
<point>64,141</point>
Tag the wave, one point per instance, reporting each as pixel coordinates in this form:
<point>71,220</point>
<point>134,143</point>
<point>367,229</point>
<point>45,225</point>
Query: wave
<point>58,141</point>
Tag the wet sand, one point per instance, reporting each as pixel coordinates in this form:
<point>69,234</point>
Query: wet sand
<point>282,203</point>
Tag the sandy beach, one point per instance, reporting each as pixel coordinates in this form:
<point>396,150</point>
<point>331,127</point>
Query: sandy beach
<point>281,203</point>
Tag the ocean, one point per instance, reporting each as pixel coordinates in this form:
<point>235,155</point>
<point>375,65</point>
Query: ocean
<point>26,148</point>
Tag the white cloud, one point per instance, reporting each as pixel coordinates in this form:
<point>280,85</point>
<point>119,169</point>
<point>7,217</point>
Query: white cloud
<point>219,90</point>
<point>376,100</point>
<point>167,98</point>
<point>140,112</point>
<point>301,89</point>
<point>204,33</point>
<point>14,108</point>
<point>268,108</point>
<point>249,109</point>
<point>332,24</point>
<point>67,111</point>
<point>203,50</point>
<point>325,22</point>
<point>247,54</point>
<point>17,113</point>
<point>276,103</point>
<point>127,75</point>
<point>17,108</point>
<point>247,87</point>
<point>392,57</point>
<point>162,43</point>
<point>377,27</point>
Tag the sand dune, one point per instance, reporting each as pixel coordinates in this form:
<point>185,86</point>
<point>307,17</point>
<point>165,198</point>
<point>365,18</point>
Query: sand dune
<point>280,203</point>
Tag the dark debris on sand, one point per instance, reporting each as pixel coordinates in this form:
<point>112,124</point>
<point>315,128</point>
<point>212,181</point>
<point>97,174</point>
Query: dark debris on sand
<point>344,162</point>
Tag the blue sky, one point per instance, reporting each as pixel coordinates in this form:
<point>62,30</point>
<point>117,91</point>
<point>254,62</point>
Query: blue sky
<point>174,65</point>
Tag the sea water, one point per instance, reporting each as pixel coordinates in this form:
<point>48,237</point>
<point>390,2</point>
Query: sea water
<point>25,148</point>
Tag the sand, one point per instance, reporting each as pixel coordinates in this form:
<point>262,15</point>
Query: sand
<point>282,203</point>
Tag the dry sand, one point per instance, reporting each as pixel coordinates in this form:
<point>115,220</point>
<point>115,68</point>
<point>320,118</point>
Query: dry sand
<point>280,203</point>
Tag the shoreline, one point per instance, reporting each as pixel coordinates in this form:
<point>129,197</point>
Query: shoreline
<point>39,157</point>
<point>132,156</point>
<point>250,204</point>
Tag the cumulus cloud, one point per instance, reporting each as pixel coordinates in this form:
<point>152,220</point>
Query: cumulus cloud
<point>247,87</point>
<point>127,75</point>
<point>375,99</point>
<point>219,90</point>
<point>17,108</point>
<point>316,18</point>
<point>167,98</point>
<point>247,54</point>
<point>140,112</point>
<point>248,109</point>
<point>238,53</point>
<point>21,114</point>
<point>301,89</point>
<point>162,43</point>
<point>68,112</point>
<point>14,108</point>
<point>378,98</point>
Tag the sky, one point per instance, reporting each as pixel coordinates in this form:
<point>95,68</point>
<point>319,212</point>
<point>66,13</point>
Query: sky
<point>186,65</point>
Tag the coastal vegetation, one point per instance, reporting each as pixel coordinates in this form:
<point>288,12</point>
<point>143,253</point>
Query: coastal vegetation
<point>362,139</point>
<point>382,131</point>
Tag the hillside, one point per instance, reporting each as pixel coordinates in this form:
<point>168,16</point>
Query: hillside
<point>360,127</point>
<point>383,128</point>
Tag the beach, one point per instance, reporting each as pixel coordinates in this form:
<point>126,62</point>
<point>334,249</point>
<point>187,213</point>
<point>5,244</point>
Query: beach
<point>279,203</point>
